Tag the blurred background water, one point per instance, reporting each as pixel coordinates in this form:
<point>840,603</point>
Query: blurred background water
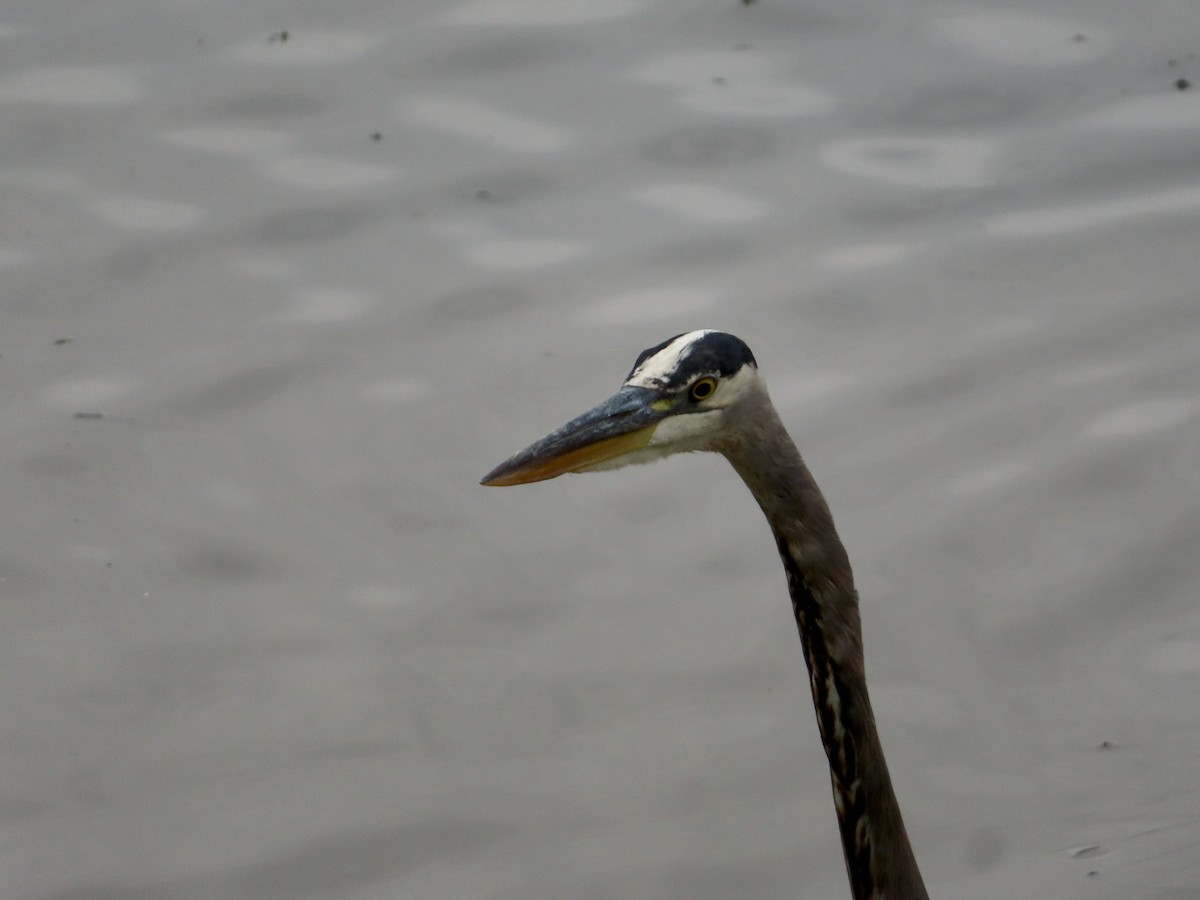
<point>280,281</point>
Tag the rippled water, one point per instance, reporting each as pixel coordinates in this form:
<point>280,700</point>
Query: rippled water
<point>280,282</point>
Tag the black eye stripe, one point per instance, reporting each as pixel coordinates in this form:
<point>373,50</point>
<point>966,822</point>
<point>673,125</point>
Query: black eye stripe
<point>646,354</point>
<point>715,352</point>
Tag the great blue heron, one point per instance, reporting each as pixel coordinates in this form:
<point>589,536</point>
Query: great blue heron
<point>702,391</point>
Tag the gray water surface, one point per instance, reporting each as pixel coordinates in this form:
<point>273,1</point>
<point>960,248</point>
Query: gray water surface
<point>280,281</point>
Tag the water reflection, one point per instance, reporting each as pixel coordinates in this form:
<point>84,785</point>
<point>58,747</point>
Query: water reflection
<point>1024,39</point>
<point>1085,216</point>
<point>264,636</point>
<point>917,162</point>
<point>73,86</point>
<point>469,118</point>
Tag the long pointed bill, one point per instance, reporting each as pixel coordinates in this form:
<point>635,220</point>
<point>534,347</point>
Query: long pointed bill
<point>622,423</point>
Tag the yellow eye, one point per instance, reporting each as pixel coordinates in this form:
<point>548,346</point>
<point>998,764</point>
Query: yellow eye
<point>703,388</point>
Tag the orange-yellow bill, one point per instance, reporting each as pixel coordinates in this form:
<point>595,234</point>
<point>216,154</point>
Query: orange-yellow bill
<point>623,423</point>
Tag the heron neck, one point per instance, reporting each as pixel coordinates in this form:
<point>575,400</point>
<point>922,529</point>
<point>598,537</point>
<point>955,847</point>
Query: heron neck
<point>879,858</point>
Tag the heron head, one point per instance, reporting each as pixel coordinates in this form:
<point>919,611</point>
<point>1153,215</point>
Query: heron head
<point>678,398</point>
